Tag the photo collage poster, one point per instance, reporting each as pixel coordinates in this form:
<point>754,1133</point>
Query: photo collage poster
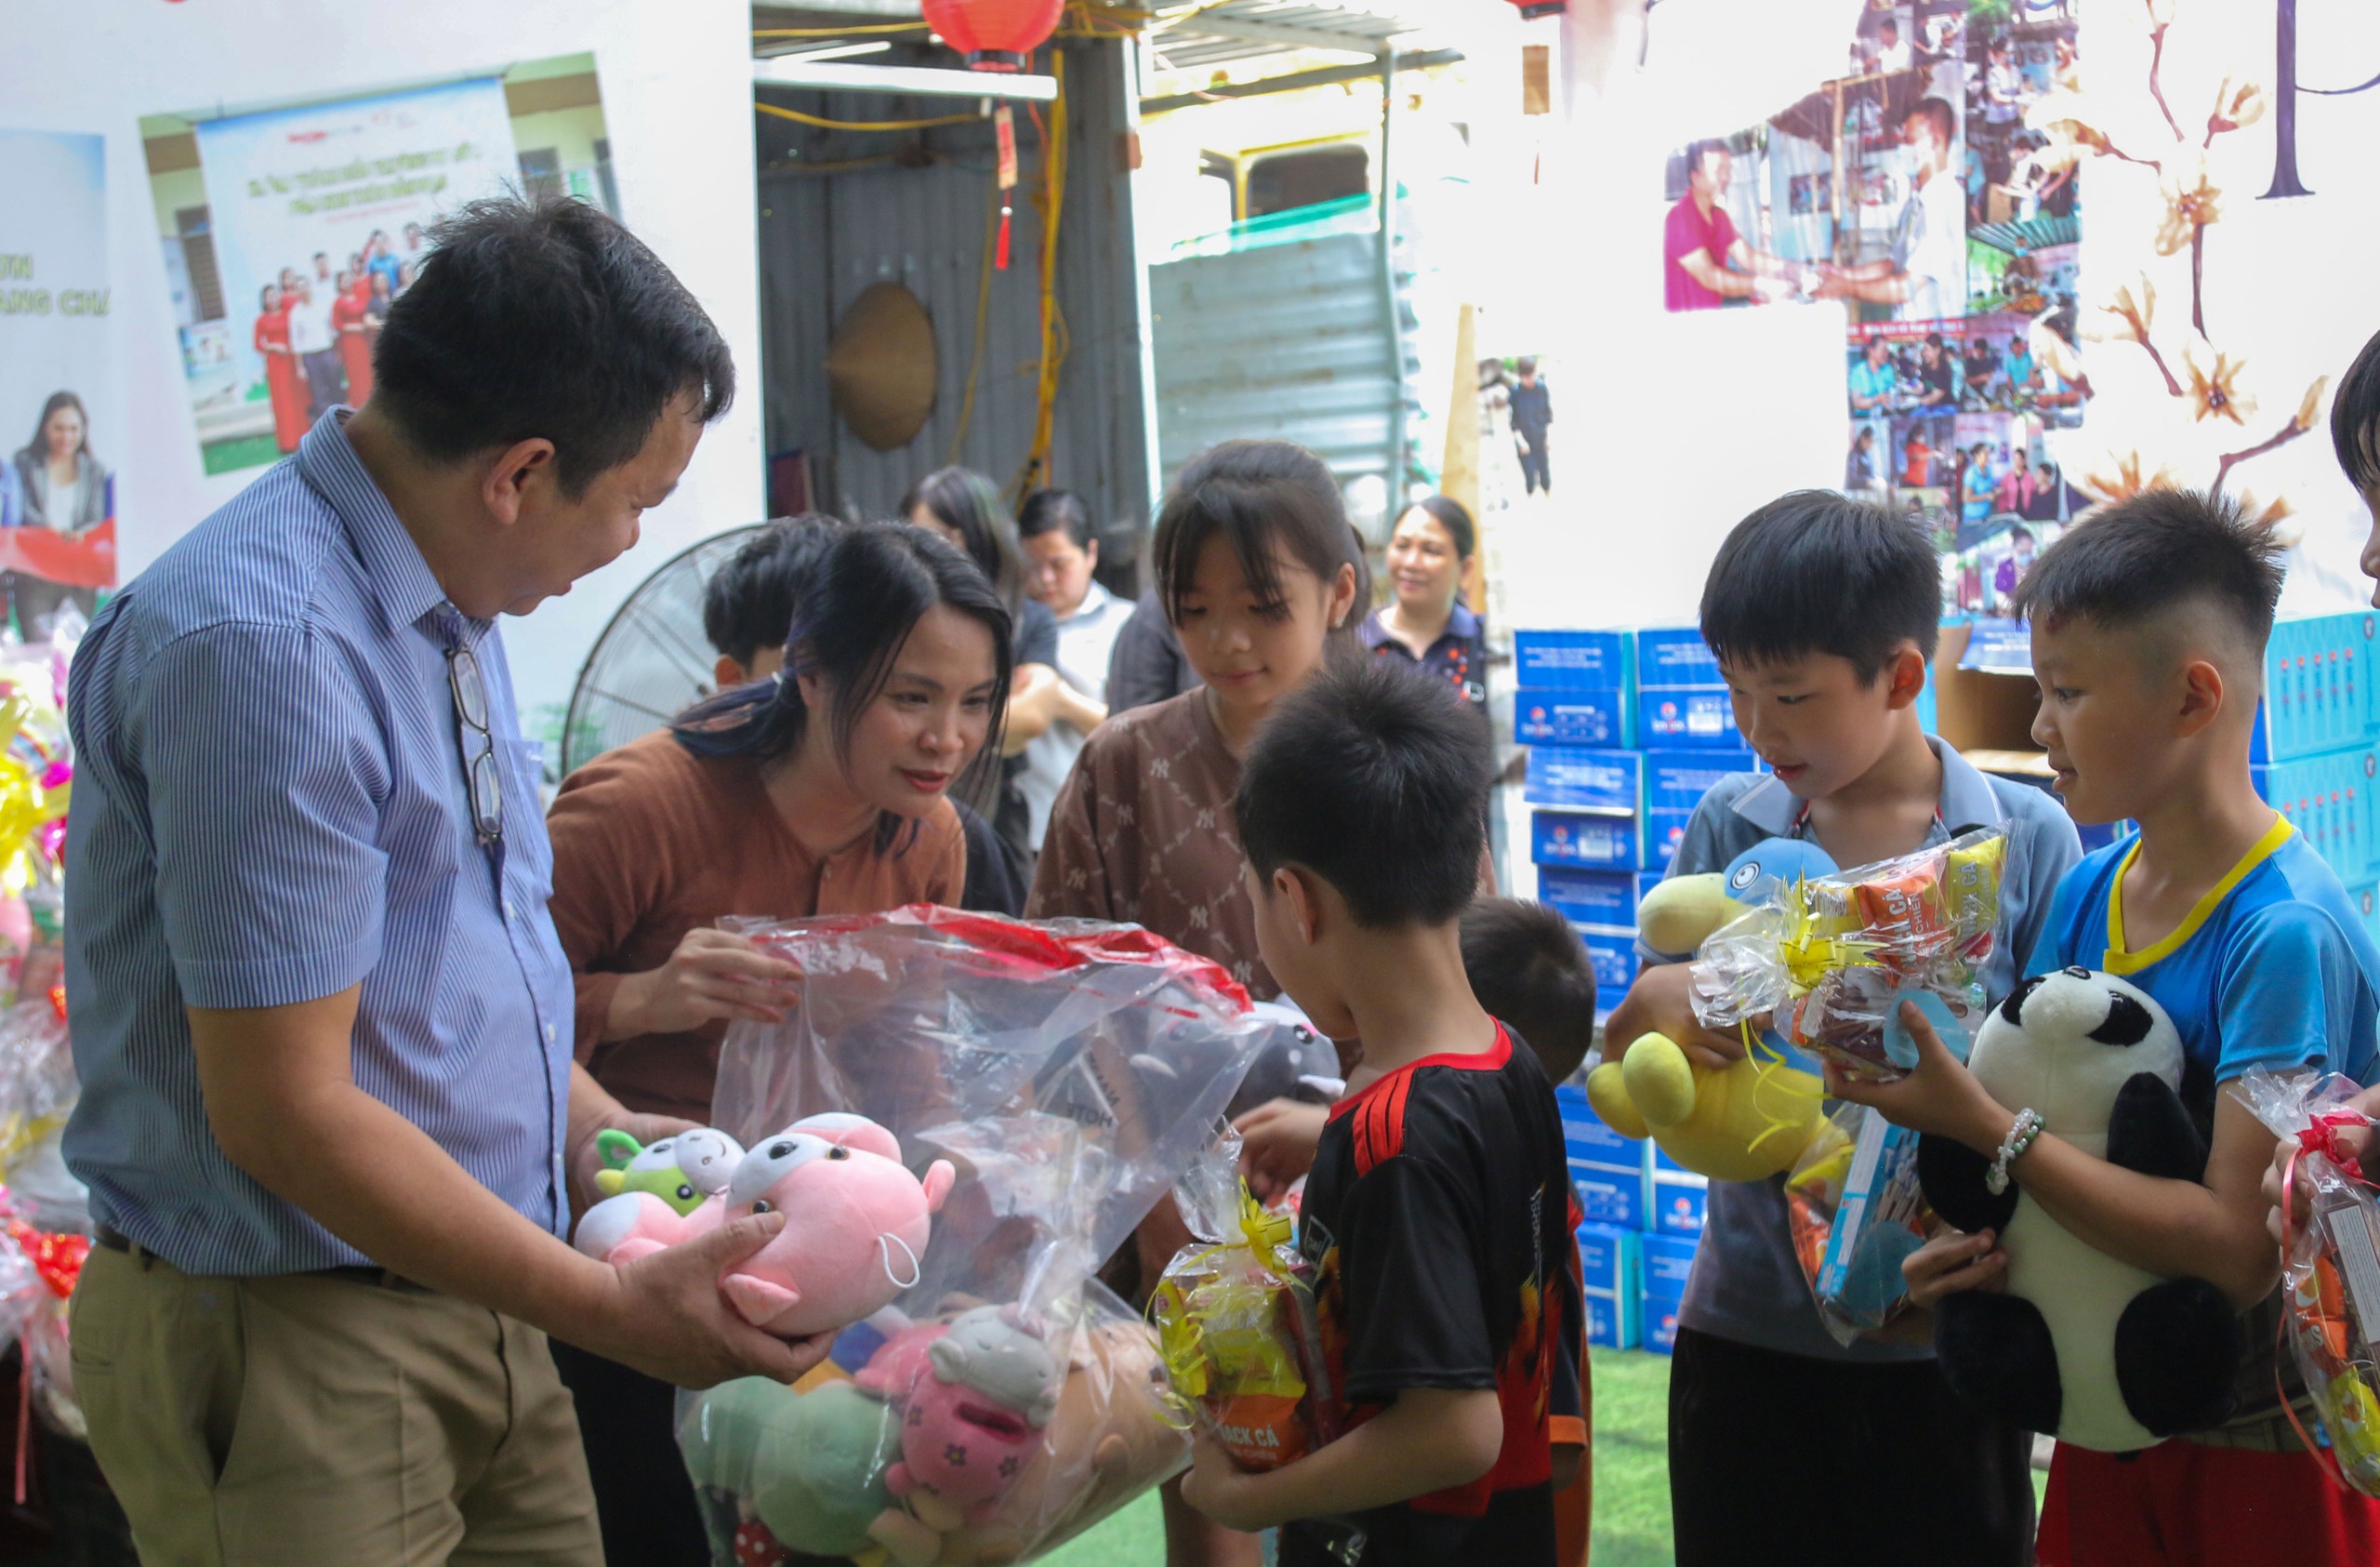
<point>1913,192</point>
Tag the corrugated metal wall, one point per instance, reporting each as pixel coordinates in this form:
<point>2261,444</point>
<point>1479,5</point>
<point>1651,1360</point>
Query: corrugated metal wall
<point>1284,339</point>
<point>827,233</point>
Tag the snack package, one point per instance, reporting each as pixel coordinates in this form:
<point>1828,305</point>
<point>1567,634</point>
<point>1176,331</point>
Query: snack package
<point>1830,960</point>
<point>1236,1320</point>
<point>1856,1213</point>
<point>1046,1084</point>
<point>2330,1263</point>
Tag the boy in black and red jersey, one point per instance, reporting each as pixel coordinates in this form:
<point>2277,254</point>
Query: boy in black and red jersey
<point>1438,1211</point>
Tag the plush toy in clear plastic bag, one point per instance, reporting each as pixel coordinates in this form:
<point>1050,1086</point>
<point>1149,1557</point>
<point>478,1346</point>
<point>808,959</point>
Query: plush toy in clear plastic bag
<point>1236,1320</point>
<point>1829,958</point>
<point>1047,1084</point>
<point>1856,1213</point>
<point>2330,1263</point>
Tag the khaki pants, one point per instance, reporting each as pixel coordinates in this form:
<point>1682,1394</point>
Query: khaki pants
<point>310,1420</point>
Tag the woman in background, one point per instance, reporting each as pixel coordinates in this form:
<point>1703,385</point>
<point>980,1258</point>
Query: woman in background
<point>284,383</point>
<point>349,313</point>
<point>1427,623</point>
<point>961,506</point>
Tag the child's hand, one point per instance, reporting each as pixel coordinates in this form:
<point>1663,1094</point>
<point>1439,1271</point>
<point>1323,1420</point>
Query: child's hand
<point>1661,1002</point>
<point>1218,1488</point>
<point>1276,1144</point>
<point>1952,1262</point>
<point>1941,1096</point>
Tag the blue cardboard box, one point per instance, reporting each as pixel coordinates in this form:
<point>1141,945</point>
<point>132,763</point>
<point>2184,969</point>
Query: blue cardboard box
<point>1675,655</point>
<point>1669,719</point>
<point>1612,1270</point>
<point>1676,781</point>
<point>1606,899</point>
<point>2329,799</point>
<point>1586,780</point>
<point>1575,660</point>
<point>1552,716</point>
<point>1662,833</point>
<point>1612,1320</point>
<point>1668,1260</point>
<point>1581,838</point>
<point>1609,1258</point>
<point>1608,1169</point>
<point>1678,1201</point>
<point>2318,690</point>
<point>1613,953</point>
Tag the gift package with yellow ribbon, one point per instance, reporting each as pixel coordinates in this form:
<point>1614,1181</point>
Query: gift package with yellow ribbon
<point>1828,960</point>
<point>1237,1327</point>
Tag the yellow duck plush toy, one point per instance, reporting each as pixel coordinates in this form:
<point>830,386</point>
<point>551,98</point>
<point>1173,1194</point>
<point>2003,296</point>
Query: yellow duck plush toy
<point>1750,1120</point>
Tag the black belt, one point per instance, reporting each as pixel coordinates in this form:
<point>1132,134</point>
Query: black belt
<point>114,1240</point>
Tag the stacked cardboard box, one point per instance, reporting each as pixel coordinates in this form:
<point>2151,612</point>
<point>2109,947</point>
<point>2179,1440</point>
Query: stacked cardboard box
<point>1643,1218</point>
<point>1626,730</point>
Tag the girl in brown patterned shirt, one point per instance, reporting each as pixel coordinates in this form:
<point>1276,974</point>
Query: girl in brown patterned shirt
<point>1260,576</point>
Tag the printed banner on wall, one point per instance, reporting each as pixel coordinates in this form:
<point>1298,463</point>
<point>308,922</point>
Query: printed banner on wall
<point>317,215</point>
<point>61,394</point>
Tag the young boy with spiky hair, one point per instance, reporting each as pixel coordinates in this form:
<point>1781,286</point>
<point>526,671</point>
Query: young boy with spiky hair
<point>2149,629</point>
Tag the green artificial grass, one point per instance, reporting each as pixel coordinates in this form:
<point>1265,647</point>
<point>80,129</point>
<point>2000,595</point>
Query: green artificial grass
<point>1134,1537</point>
<point>1632,1455</point>
<point>230,457</point>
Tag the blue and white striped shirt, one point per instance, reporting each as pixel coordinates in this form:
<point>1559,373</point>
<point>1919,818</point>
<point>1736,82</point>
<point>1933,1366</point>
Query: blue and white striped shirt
<point>269,807</point>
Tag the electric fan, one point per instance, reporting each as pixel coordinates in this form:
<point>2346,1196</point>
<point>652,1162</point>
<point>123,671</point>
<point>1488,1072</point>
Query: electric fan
<point>652,661</point>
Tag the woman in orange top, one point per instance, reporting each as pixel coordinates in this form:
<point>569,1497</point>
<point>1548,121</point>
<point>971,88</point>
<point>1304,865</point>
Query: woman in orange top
<point>282,381</point>
<point>354,343</point>
<point>822,790</point>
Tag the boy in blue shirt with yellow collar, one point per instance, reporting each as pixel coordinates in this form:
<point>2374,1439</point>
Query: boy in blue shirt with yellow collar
<point>2148,630</point>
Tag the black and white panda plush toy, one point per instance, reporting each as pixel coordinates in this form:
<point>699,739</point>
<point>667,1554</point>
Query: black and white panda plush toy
<point>2094,1350</point>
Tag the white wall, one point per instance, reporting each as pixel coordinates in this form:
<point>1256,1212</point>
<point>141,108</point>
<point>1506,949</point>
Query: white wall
<point>676,103</point>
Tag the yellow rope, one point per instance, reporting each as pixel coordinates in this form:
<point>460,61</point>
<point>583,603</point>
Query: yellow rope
<point>800,118</point>
<point>1036,467</point>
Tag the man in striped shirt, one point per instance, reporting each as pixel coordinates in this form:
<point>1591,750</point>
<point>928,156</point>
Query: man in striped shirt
<point>330,1114</point>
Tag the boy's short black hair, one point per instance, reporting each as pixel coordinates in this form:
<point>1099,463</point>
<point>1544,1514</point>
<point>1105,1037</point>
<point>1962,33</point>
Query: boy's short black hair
<point>2355,419</point>
<point>544,318</point>
<point>747,604</point>
<point>1818,572</point>
<point>2152,555</point>
<point>1529,968</point>
<point>1375,780</point>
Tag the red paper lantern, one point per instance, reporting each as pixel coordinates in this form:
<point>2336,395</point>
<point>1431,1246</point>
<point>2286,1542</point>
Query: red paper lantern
<point>993,34</point>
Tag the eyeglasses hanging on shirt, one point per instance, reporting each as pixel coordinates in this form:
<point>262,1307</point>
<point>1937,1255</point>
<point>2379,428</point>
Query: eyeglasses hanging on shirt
<point>482,774</point>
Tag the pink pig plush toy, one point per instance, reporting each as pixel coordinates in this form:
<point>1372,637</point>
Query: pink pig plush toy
<point>857,1222</point>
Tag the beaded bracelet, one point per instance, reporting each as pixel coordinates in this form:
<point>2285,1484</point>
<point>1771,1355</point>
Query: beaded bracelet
<point>2020,1136</point>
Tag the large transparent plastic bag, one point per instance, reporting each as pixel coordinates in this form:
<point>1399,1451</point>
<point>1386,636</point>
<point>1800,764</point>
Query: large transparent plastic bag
<point>1004,1401</point>
<point>2330,1263</point>
<point>926,1019</point>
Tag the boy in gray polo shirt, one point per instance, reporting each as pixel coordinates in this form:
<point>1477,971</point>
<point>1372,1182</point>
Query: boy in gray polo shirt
<point>1823,611</point>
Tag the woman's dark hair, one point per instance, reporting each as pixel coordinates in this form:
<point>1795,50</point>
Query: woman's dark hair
<point>747,604</point>
<point>1047,510</point>
<point>1255,494</point>
<point>267,288</point>
<point>1450,514</point>
<point>862,593</point>
<point>40,445</point>
<point>962,499</point>
<point>543,317</point>
<point>2355,419</point>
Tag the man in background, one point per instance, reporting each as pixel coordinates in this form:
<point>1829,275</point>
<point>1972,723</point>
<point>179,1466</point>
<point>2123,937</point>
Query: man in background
<point>1704,261</point>
<point>1532,414</point>
<point>1925,275</point>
